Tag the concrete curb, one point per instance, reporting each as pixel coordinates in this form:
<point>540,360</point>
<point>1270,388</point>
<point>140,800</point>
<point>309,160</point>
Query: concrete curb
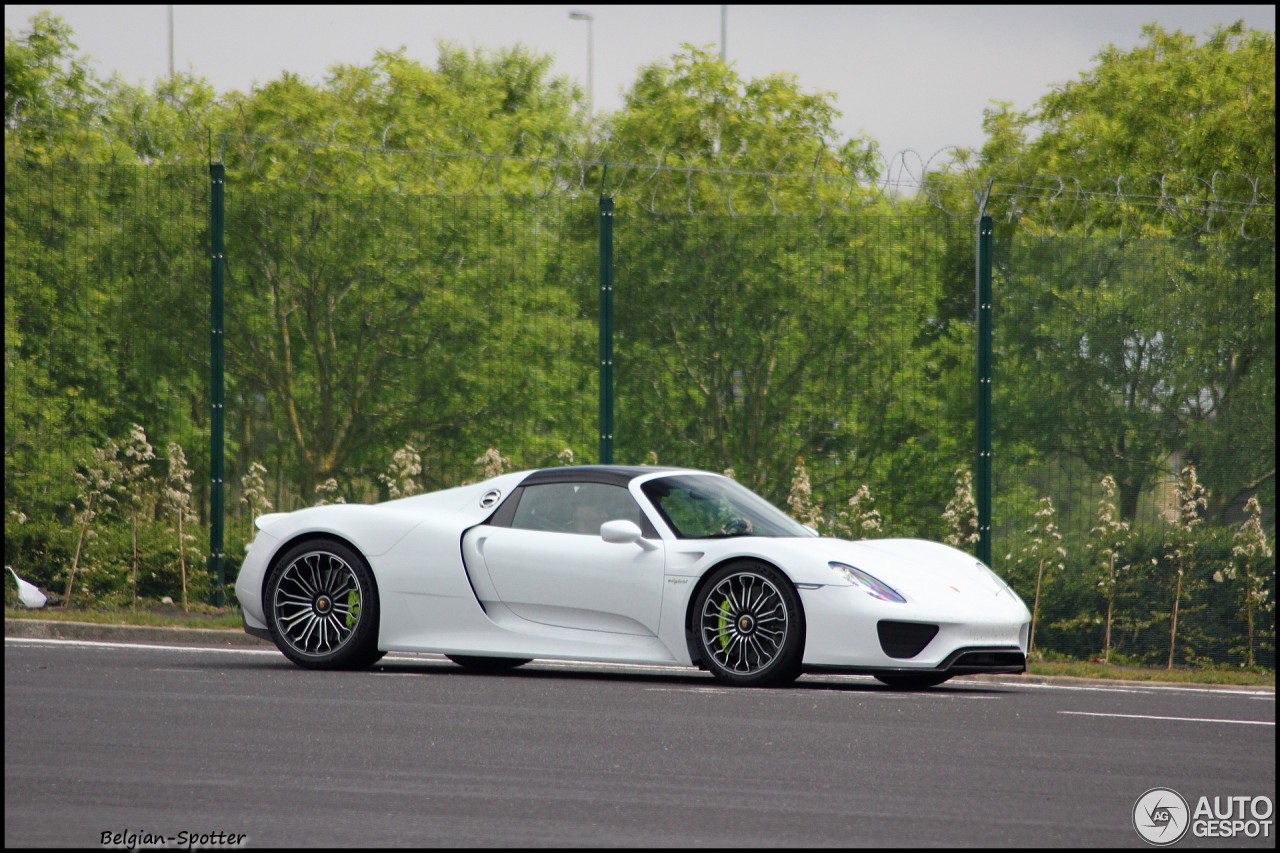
<point>47,629</point>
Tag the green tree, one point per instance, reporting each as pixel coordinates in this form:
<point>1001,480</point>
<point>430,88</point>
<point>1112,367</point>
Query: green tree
<point>1190,122</point>
<point>377,309</point>
<point>1154,333</point>
<point>48,88</point>
<point>712,371</point>
<point>711,141</point>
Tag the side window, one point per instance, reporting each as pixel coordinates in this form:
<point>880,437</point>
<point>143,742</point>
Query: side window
<point>573,507</point>
<point>695,515</point>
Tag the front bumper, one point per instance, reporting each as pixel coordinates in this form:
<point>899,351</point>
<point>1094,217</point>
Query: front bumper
<point>970,661</point>
<point>845,631</point>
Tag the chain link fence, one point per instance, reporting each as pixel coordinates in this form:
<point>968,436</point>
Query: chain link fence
<point>381,342</point>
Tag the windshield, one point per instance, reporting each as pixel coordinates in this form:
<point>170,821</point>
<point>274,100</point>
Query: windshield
<point>708,507</point>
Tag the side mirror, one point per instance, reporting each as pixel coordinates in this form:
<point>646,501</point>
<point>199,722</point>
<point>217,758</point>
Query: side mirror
<point>623,532</point>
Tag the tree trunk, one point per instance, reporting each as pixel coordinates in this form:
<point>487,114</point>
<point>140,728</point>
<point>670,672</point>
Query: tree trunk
<point>1035,610</point>
<point>75,560</point>
<point>1106,640</point>
<point>182,560</point>
<point>1173,617</point>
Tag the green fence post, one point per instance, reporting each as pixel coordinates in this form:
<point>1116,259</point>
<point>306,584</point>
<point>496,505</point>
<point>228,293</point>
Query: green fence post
<point>217,209</point>
<point>606,330</point>
<point>982,474</point>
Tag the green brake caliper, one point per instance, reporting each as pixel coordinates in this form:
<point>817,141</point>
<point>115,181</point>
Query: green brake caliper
<point>353,608</point>
<point>722,627</point>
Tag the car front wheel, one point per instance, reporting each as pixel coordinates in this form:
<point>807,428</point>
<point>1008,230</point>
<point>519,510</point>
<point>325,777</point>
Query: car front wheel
<point>749,626</point>
<point>322,607</point>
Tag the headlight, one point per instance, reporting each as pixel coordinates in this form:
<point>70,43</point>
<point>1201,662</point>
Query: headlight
<point>868,584</point>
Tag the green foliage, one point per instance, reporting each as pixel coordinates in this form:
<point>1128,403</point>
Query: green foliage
<point>48,86</point>
<point>704,131</point>
<point>1175,118</point>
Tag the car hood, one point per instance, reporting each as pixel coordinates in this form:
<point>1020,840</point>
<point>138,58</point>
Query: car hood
<point>924,572</point>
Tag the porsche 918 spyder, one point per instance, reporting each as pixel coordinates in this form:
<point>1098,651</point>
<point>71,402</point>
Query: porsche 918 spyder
<point>621,564</point>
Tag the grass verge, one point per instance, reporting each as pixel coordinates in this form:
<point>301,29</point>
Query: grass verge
<point>160,616</point>
<point>1255,677</point>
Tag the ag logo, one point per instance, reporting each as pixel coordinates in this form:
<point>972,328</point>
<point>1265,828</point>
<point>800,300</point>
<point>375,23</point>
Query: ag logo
<point>1161,816</point>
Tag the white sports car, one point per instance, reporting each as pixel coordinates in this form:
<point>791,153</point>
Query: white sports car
<point>622,564</point>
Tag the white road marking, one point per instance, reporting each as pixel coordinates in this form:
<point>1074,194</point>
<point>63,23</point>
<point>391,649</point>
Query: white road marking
<point>1145,687</point>
<point>1177,719</point>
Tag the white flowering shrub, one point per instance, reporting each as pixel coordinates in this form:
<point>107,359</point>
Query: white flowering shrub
<point>961,514</point>
<point>1192,502</point>
<point>1114,536</point>
<point>327,493</point>
<point>1042,554</point>
<point>138,486</point>
<point>492,463</point>
<point>401,478</point>
<point>861,520</point>
<point>1250,554</point>
<point>800,499</point>
<point>176,498</point>
<point>96,485</point>
<point>253,493</point>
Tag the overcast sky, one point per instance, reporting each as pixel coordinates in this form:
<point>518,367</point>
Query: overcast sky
<point>912,77</point>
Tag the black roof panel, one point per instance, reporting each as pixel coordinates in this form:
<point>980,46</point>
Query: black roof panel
<point>616,475</point>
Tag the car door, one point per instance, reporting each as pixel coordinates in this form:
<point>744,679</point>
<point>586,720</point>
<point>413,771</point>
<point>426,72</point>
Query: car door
<point>548,563</point>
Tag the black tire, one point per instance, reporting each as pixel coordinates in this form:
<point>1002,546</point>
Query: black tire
<point>322,608</point>
<point>913,682</point>
<point>479,663</point>
<point>748,626</point>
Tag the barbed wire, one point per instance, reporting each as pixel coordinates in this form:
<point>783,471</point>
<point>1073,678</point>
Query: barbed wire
<point>666,182</point>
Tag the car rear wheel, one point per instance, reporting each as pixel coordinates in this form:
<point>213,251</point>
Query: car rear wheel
<point>322,607</point>
<point>479,663</point>
<point>749,626</point>
<point>913,682</point>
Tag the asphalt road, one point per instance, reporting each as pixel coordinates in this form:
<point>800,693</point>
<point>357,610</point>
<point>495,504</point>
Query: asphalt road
<point>161,741</point>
